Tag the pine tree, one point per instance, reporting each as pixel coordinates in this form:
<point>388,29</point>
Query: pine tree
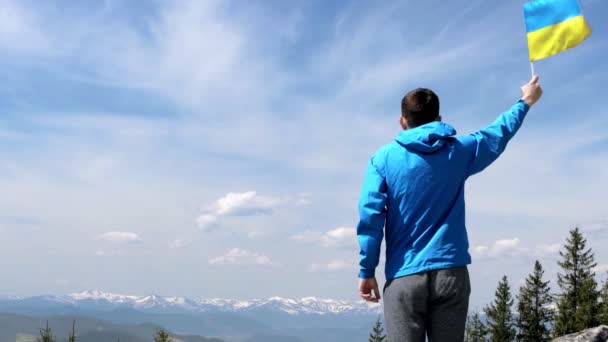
<point>378,333</point>
<point>500,317</point>
<point>534,314</point>
<point>475,331</point>
<point>72,336</point>
<point>162,335</point>
<point>578,305</point>
<point>603,318</point>
<point>46,335</point>
<point>518,324</point>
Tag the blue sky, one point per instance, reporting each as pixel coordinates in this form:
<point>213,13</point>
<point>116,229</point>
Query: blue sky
<point>216,148</point>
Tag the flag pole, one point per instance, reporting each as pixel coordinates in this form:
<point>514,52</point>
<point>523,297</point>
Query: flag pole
<point>532,68</point>
<point>531,62</point>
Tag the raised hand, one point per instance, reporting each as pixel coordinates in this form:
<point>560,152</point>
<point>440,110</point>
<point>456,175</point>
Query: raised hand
<point>531,91</point>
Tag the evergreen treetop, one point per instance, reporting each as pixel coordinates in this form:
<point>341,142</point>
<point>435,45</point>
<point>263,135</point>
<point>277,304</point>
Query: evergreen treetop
<point>72,335</point>
<point>533,307</point>
<point>577,306</point>
<point>162,335</point>
<point>475,330</point>
<point>500,317</point>
<point>46,335</point>
<point>377,334</point>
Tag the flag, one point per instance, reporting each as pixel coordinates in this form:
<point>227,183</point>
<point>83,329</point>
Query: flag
<point>554,26</point>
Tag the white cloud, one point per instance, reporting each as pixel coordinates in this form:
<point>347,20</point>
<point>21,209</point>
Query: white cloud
<point>499,248</point>
<point>120,237</point>
<point>206,220</point>
<point>505,245</point>
<point>237,256</point>
<point>480,249</point>
<point>333,266</point>
<point>237,204</point>
<point>244,204</point>
<point>543,250</point>
<point>341,233</point>
<point>513,247</point>
<point>247,203</point>
<point>341,236</point>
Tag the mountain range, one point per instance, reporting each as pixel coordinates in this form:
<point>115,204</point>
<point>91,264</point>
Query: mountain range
<point>274,319</point>
<point>99,300</point>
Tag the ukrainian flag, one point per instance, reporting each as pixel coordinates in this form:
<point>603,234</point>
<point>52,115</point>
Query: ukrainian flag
<point>554,26</point>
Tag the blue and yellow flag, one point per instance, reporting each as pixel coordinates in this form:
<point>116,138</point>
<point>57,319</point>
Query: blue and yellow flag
<point>554,26</point>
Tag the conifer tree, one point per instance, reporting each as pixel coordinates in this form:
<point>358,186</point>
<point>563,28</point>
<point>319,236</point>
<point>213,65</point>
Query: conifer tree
<point>72,335</point>
<point>518,324</point>
<point>577,306</point>
<point>603,318</point>
<point>500,317</point>
<point>378,332</point>
<point>475,330</point>
<point>534,313</point>
<point>162,335</point>
<point>46,335</point>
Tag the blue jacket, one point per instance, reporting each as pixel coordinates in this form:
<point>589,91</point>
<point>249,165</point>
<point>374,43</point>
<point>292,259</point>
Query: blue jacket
<point>414,189</point>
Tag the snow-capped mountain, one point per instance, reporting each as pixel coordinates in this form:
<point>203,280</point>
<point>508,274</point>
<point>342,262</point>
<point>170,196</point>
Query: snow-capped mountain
<point>306,305</point>
<point>99,300</point>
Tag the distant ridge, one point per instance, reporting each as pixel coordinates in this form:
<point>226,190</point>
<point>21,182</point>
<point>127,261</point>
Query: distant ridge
<point>100,300</point>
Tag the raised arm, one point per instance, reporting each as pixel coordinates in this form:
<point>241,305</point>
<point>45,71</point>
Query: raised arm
<point>491,141</point>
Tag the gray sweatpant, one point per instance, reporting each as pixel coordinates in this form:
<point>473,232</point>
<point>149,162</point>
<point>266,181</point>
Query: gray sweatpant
<point>433,303</point>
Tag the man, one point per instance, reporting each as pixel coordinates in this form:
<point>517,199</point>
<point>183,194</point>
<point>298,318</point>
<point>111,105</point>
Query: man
<point>414,189</point>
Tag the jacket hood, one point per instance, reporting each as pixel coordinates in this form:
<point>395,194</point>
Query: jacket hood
<point>426,138</point>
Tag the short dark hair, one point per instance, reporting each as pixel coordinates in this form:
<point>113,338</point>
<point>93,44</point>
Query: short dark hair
<point>419,107</point>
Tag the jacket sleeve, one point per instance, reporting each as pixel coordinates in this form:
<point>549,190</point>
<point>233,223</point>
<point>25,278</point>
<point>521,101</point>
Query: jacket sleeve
<point>372,216</point>
<point>489,142</point>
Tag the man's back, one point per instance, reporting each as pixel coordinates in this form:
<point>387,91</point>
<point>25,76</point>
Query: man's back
<point>414,188</point>
<point>424,173</point>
